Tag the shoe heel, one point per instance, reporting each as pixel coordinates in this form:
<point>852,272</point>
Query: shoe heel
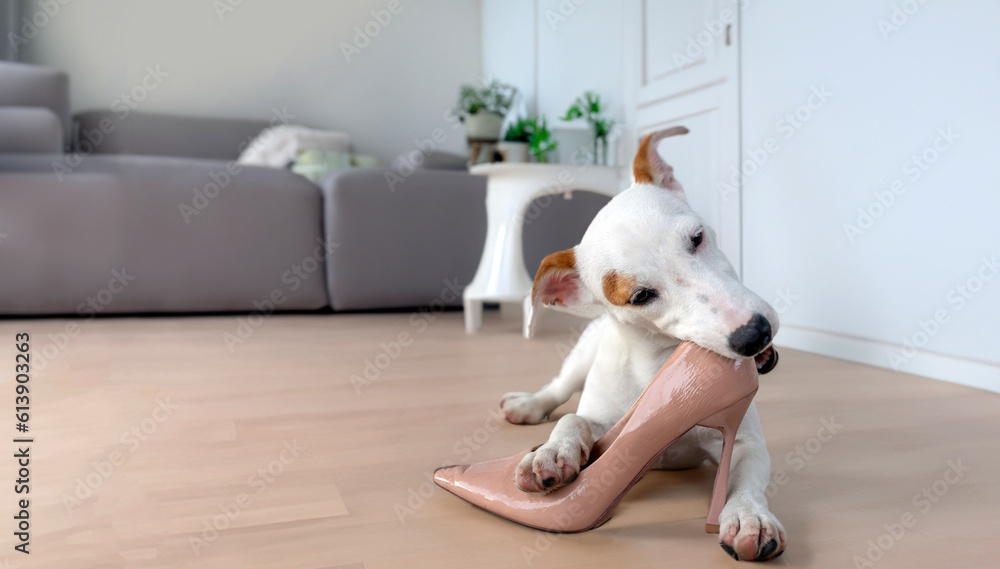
<point>728,421</point>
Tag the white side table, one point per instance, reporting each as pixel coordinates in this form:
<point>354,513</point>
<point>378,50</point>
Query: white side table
<point>510,189</point>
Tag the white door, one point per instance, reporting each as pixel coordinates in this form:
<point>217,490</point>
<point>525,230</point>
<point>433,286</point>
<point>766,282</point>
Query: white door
<point>684,70</point>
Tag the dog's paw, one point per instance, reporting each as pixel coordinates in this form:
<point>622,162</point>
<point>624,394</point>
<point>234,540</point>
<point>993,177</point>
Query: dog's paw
<point>749,532</point>
<point>523,408</point>
<point>551,466</point>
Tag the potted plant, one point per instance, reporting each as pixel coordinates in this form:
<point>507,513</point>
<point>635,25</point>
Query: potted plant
<point>514,146</point>
<point>540,143</point>
<point>482,109</point>
<point>588,106</point>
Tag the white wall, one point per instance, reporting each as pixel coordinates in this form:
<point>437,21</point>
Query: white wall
<point>274,54</point>
<point>891,96</point>
<point>579,49</point>
<point>509,47</point>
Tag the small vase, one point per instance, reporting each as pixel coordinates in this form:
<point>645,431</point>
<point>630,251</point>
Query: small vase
<point>513,152</point>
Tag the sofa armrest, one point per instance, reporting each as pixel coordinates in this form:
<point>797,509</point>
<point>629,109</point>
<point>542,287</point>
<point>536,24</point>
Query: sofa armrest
<point>127,132</point>
<point>34,130</point>
<point>23,85</point>
<point>408,245</point>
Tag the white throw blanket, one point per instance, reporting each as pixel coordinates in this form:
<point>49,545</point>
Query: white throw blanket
<point>277,146</point>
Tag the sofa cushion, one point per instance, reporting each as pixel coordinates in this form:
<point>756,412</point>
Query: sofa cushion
<point>150,134</point>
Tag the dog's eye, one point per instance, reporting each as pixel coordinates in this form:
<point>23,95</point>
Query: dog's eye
<point>642,296</point>
<point>696,239</point>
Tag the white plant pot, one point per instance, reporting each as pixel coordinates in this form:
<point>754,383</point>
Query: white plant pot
<point>514,152</point>
<point>483,127</point>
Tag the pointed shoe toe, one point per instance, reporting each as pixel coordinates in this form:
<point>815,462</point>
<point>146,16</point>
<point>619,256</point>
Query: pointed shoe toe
<point>445,476</point>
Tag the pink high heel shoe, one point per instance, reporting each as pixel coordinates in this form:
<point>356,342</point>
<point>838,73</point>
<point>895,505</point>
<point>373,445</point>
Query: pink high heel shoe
<point>694,387</point>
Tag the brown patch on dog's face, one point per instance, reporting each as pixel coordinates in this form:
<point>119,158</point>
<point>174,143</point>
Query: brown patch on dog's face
<point>618,288</point>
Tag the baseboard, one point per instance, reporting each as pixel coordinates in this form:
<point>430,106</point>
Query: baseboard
<point>871,352</point>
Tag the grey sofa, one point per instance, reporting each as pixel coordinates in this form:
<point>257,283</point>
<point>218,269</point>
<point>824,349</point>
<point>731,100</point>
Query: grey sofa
<point>149,214</point>
<point>85,232</point>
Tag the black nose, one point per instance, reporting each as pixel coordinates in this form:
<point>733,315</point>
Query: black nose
<point>752,337</point>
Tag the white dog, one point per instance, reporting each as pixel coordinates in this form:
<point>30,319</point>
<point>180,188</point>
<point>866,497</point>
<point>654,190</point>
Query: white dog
<point>650,271</point>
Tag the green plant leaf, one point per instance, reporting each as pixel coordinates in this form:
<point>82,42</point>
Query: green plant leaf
<point>572,113</point>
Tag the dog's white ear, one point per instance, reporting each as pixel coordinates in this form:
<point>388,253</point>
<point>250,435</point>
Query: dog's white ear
<point>557,284</point>
<point>649,167</point>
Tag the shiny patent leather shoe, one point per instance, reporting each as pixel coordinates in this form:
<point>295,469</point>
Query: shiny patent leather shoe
<point>694,387</point>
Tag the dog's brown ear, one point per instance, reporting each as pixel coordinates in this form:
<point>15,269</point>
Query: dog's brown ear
<point>557,284</point>
<point>649,167</point>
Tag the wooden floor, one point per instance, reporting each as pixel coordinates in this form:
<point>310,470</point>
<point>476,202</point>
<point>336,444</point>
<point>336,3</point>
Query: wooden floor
<point>157,446</point>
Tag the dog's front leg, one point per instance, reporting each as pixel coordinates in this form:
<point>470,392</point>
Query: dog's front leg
<point>522,408</point>
<point>747,529</point>
<point>558,461</point>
